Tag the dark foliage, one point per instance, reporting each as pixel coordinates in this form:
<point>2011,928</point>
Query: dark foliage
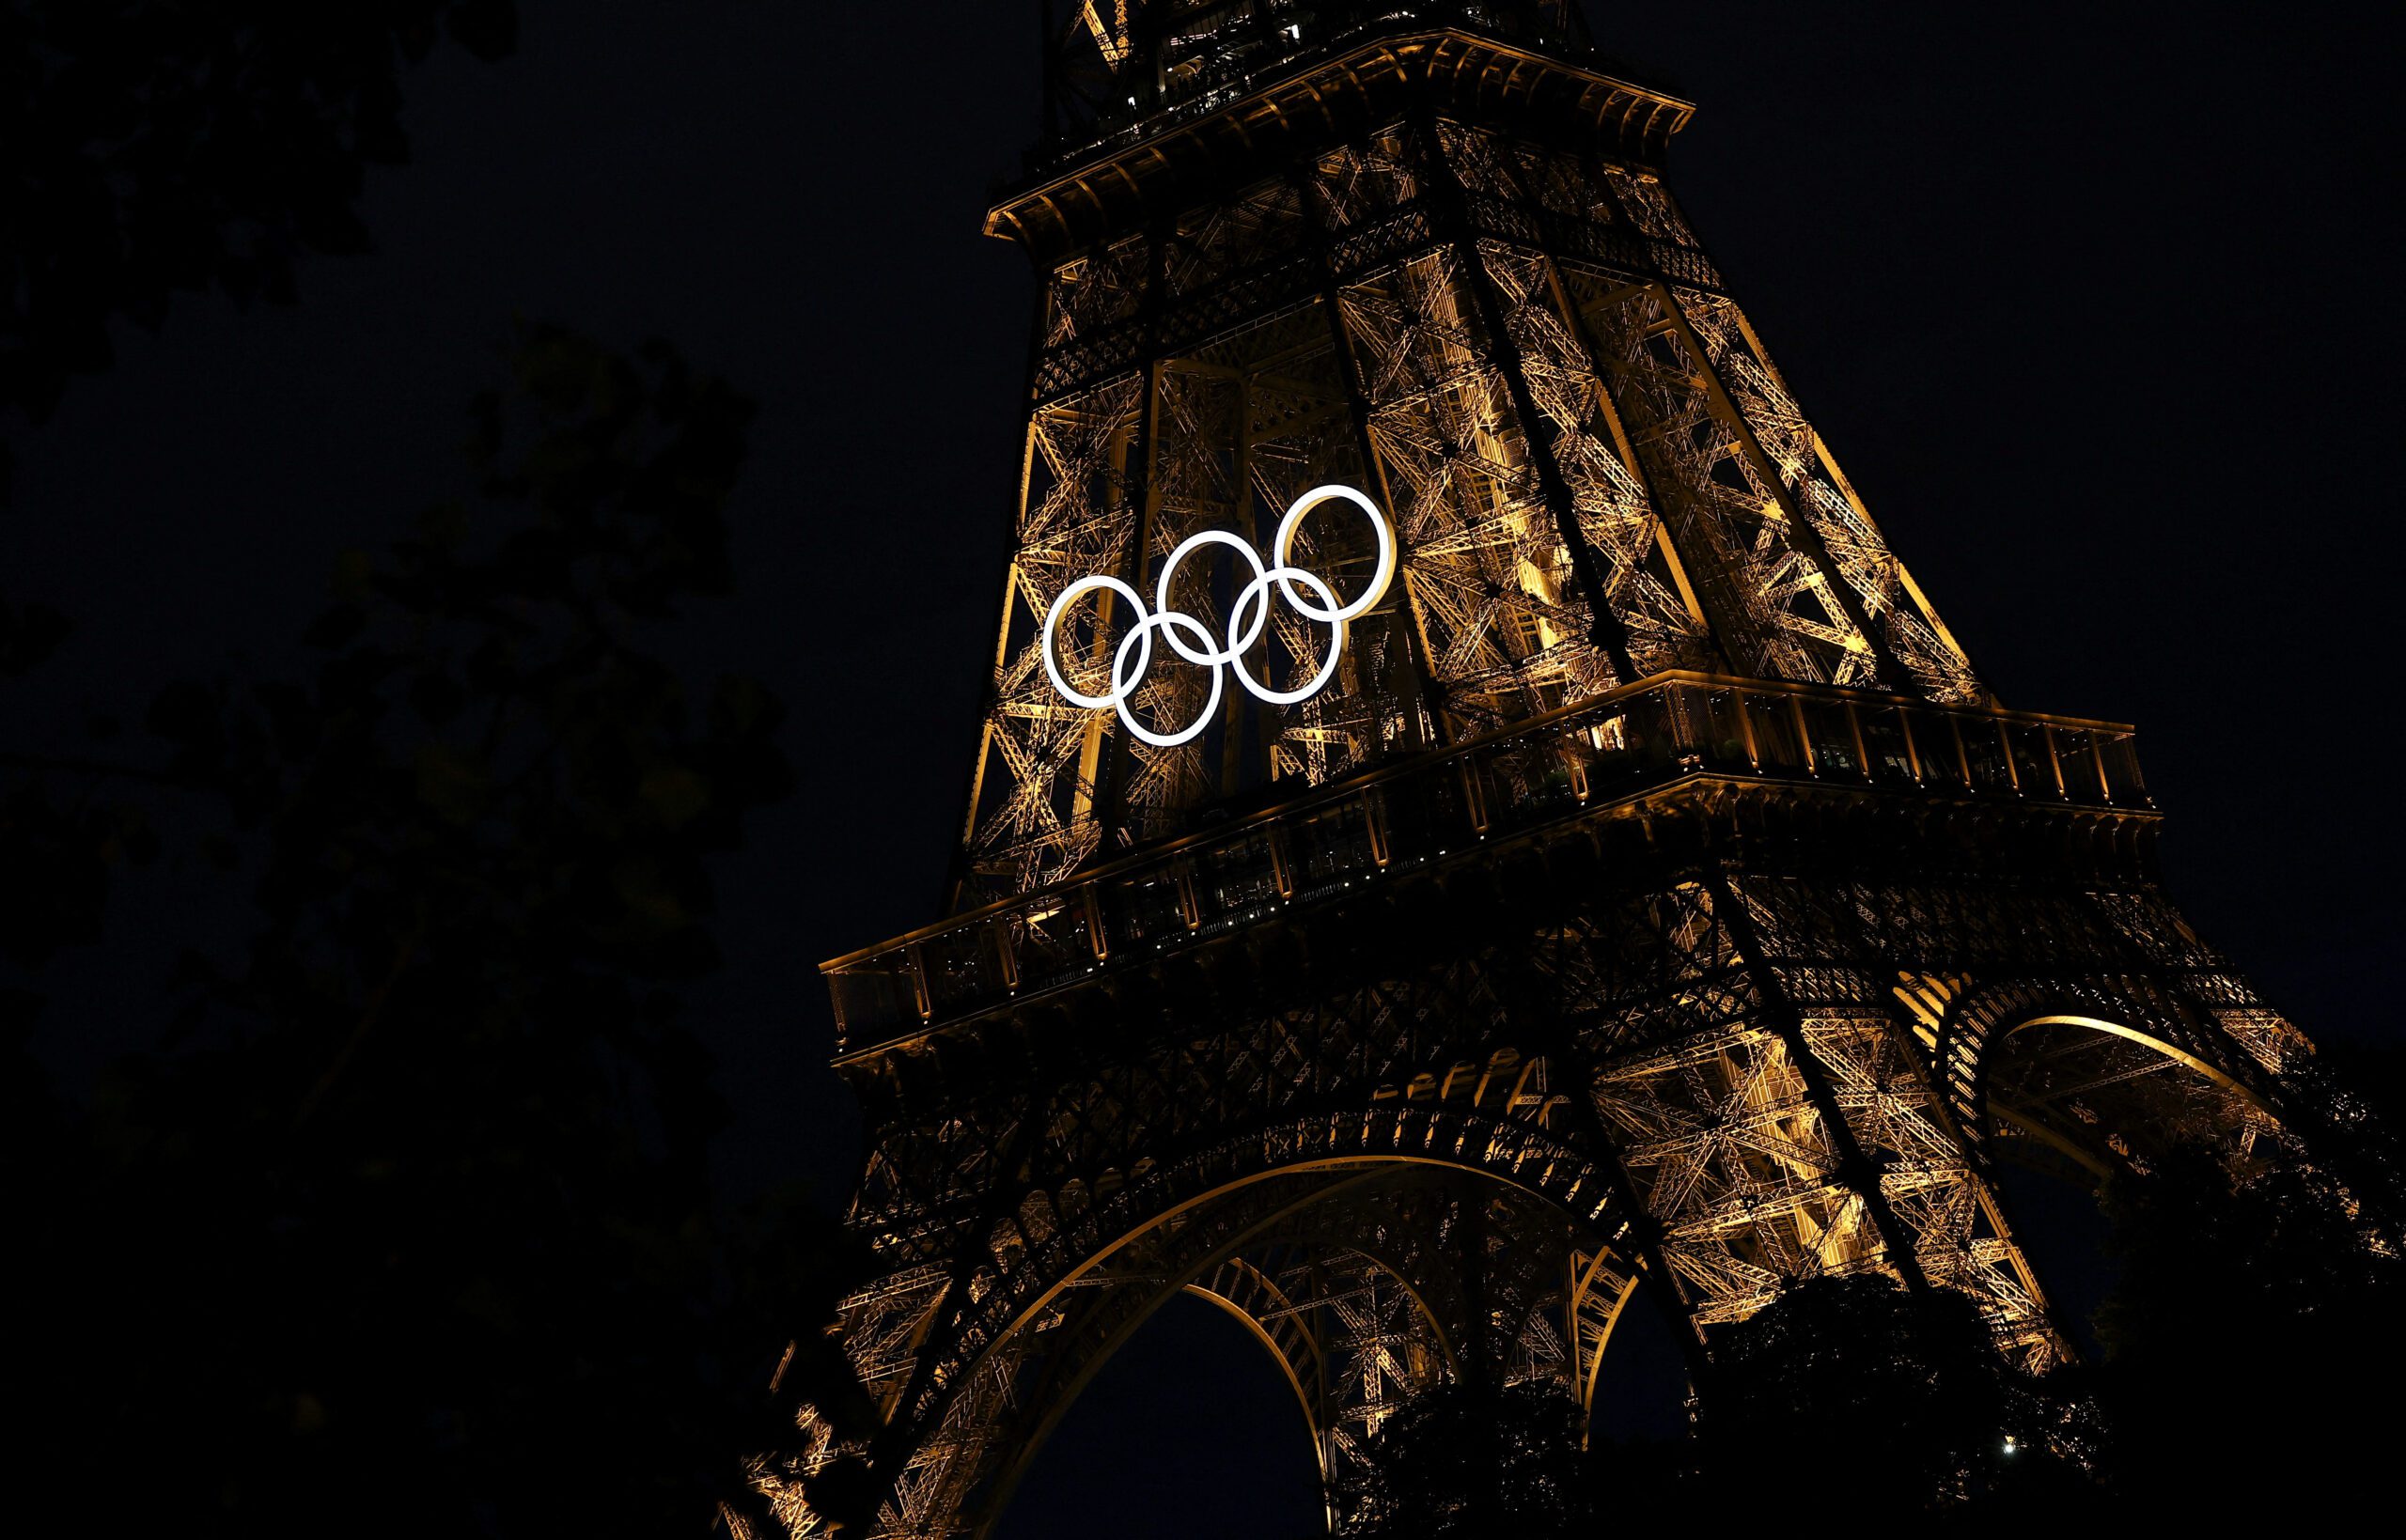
<point>2253,1342</point>
<point>2359,1089</point>
<point>407,1224</point>
<point>1465,1461</point>
<point>2251,1339</point>
<point>152,146</point>
<point>1903,1394</point>
<point>1903,1390</point>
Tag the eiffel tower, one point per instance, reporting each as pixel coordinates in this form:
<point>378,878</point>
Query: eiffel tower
<point>1474,827</point>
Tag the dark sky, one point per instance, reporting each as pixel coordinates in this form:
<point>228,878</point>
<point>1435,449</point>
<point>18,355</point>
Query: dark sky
<point>2097,304</point>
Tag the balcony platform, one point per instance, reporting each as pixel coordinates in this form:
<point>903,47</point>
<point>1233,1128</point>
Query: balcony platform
<point>1639,744</point>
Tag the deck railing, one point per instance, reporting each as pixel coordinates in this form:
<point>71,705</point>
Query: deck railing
<point>1431,806</point>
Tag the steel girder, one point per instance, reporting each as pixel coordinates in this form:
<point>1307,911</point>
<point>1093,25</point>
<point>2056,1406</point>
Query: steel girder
<point>1519,349</point>
<point>1460,1138</point>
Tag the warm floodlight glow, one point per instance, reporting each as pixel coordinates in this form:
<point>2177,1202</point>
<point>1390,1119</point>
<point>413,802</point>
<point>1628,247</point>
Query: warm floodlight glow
<point>1314,601</point>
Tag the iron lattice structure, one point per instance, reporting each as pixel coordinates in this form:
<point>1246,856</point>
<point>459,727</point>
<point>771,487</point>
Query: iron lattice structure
<point>1656,909</point>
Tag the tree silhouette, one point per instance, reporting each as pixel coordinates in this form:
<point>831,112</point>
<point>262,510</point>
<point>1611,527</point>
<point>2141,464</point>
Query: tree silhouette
<point>1891,1403</point>
<point>1466,1461</point>
<point>153,145</point>
<point>2252,1341</point>
<point>408,1222</point>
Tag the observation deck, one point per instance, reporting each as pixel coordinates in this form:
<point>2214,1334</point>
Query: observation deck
<point>1250,95</point>
<point>1185,65</point>
<point>1455,805</point>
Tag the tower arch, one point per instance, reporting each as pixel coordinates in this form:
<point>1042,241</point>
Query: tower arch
<point>1355,1220</point>
<point>2094,1075</point>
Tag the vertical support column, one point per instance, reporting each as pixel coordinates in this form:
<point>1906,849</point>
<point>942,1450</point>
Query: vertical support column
<point>1846,488</point>
<point>1452,209</point>
<point>1854,1168</point>
<point>1111,798</point>
<point>1319,218</point>
<point>1245,512</point>
<point>1597,363</point>
<point>1707,577</point>
<point>1546,1021</point>
<point>1802,529</point>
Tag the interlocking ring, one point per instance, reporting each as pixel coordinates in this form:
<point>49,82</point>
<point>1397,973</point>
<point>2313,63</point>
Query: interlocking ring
<point>1247,617</point>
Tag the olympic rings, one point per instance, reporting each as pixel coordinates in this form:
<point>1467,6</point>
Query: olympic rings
<point>1316,601</point>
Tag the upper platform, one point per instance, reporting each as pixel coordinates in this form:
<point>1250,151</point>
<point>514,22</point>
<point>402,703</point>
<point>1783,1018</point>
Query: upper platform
<point>1203,91</point>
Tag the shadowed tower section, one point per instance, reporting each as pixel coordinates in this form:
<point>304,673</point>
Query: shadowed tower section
<point>1649,908</point>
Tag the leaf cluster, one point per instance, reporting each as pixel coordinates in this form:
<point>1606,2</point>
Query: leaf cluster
<point>1847,1392</point>
<point>153,145</point>
<point>1464,1461</point>
<point>410,1217</point>
<point>2252,1340</point>
<point>1904,1391</point>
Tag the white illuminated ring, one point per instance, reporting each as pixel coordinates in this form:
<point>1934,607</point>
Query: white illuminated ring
<point>1258,590</point>
<point>1135,602</point>
<point>1379,579</point>
<point>1123,679</point>
<point>1161,597</point>
<point>1134,655</point>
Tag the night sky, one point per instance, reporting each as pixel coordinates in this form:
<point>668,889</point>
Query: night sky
<point>2099,306</point>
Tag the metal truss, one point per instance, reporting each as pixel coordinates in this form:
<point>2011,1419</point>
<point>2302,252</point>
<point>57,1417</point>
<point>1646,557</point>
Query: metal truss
<point>1578,983</point>
<point>1519,349</point>
<point>1458,1129</point>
